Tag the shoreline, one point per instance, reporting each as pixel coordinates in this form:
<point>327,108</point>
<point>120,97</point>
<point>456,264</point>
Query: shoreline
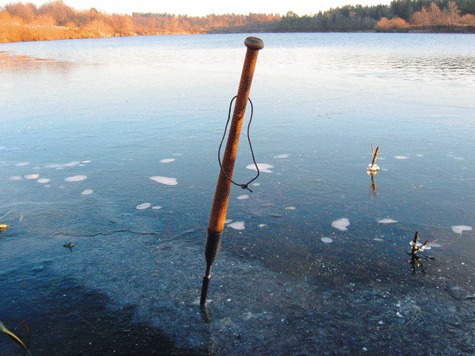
<point>421,30</point>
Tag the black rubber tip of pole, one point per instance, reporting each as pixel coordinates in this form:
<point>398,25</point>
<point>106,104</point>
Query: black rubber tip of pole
<point>205,314</point>
<point>254,43</point>
<point>213,244</point>
<point>204,290</point>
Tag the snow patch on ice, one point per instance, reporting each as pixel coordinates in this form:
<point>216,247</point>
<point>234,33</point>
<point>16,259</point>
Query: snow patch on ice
<point>341,224</point>
<point>263,167</point>
<point>143,206</point>
<point>64,165</point>
<point>77,178</point>
<point>458,229</point>
<point>22,164</point>
<point>283,155</point>
<point>164,180</point>
<point>387,221</point>
<point>32,176</point>
<point>238,225</point>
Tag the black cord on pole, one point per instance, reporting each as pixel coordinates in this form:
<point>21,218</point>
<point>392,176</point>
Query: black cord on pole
<point>245,185</point>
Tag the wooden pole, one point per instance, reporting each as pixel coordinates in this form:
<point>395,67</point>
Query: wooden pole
<point>223,187</point>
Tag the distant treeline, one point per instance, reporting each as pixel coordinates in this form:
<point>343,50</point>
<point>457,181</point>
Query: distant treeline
<point>400,15</point>
<point>56,20</point>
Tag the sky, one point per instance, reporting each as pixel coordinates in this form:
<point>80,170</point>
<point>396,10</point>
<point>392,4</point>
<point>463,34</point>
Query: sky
<point>205,7</point>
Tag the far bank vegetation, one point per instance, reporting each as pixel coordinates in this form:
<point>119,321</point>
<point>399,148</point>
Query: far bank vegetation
<point>55,20</point>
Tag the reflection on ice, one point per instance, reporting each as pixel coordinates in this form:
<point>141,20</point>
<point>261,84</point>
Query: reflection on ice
<point>43,180</point>
<point>32,176</point>
<point>22,164</point>
<point>327,240</point>
<point>87,192</point>
<point>167,160</point>
<point>243,197</point>
<point>284,155</point>
<point>164,180</point>
<point>420,246</point>
<point>400,157</point>
<point>341,224</point>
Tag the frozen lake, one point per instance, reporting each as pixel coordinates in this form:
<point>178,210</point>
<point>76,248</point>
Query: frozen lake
<point>111,145</point>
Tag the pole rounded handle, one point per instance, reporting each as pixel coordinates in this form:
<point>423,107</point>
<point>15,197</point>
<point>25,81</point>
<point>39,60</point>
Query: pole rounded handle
<point>254,43</point>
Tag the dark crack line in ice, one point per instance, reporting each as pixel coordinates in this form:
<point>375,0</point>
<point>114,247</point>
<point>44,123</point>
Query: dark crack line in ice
<point>140,233</point>
<point>63,234</point>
